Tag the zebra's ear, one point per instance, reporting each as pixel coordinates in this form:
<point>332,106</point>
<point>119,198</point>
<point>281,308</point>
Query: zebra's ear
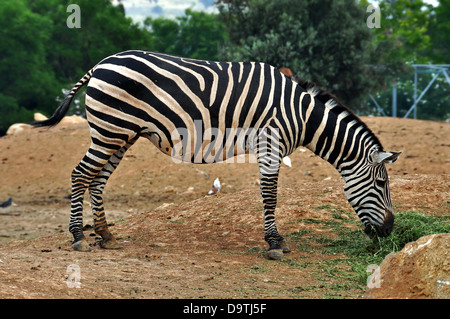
<point>385,157</point>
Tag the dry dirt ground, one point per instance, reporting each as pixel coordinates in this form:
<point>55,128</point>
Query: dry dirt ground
<point>177,242</point>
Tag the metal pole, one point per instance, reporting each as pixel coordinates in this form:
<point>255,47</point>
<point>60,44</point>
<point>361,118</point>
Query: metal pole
<point>415,93</point>
<point>377,105</point>
<point>422,94</point>
<point>446,76</point>
<point>394,98</point>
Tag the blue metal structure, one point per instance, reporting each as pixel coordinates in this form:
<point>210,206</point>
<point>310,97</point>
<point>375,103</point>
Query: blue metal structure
<point>437,69</point>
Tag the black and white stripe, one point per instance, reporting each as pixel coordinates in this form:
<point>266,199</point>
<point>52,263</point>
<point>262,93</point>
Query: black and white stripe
<point>206,111</point>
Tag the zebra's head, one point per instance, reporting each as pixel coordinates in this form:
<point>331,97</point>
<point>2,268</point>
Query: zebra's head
<point>367,190</point>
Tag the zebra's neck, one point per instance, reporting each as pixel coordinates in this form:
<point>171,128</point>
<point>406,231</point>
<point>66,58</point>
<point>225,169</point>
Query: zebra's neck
<point>332,131</point>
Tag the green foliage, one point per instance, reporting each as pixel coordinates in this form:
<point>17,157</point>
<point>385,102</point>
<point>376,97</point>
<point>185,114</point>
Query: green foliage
<point>165,33</point>
<point>40,56</point>
<point>434,105</point>
<point>439,31</point>
<point>11,113</point>
<point>324,42</point>
<point>23,63</point>
<point>328,42</point>
<point>104,31</point>
<point>403,37</point>
<point>412,32</point>
<point>197,35</point>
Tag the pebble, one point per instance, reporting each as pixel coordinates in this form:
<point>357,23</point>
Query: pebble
<point>169,189</point>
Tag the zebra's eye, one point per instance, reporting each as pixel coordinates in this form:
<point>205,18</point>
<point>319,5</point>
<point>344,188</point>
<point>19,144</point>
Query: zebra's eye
<point>380,182</point>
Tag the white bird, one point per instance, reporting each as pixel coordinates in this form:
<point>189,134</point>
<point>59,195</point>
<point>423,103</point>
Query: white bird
<point>287,161</point>
<point>215,188</point>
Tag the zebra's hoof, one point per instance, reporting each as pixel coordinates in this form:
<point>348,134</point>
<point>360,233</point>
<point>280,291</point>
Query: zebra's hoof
<point>81,245</point>
<point>109,244</point>
<point>284,246</point>
<point>275,254</point>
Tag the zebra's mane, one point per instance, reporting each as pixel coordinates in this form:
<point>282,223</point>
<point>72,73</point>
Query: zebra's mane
<point>337,106</point>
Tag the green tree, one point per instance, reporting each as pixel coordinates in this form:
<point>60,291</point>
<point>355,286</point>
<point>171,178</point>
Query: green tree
<point>439,30</point>
<point>26,83</point>
<point>321,41</point>
<point>164,33</point>
<point>201,34</point>
<point>197,35</point>
<point>105,30</point>
<point>403,36</point>
<point>40,55</point>
<point>412,32</point>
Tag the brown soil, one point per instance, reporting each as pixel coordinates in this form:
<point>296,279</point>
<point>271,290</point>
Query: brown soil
<point>177,242</point>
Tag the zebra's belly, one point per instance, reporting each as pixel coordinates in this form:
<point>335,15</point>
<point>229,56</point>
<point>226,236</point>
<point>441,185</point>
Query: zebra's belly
<point>199,148</point>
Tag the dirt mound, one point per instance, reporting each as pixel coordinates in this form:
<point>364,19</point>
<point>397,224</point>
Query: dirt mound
<point>177,242</point>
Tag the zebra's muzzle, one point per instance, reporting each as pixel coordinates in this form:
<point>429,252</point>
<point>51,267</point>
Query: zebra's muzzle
<point>383,230</point>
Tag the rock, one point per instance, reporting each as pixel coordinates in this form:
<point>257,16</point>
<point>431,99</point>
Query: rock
<point>164,206</point>
<point>39,117</point>
<point>18,128</point>
<point>169,189</point>
<point>420,270</point>
<point>73,119</point>
<point>190,190</point>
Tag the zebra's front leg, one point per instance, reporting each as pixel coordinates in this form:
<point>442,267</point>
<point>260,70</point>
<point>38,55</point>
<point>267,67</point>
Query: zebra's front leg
<point>269,181</point>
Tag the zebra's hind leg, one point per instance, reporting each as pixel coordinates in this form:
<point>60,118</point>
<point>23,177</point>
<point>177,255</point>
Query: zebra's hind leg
<point>96,193</point>
<point>82,175</point>
<point>81,178</point>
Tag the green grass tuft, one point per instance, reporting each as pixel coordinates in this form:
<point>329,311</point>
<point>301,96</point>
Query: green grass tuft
<point>410,226</point>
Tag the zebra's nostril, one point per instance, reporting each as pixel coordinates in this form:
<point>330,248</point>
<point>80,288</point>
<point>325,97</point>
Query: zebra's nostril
<point>388,223</point>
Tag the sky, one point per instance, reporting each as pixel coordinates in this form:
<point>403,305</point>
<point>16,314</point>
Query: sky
<point>138,10</point>
<point>433,2</point>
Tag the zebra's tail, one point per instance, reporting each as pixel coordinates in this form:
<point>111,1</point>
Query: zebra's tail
<point>64,106</point>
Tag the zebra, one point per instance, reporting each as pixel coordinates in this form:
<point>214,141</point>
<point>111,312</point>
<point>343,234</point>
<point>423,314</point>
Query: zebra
<point>183,106</point>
